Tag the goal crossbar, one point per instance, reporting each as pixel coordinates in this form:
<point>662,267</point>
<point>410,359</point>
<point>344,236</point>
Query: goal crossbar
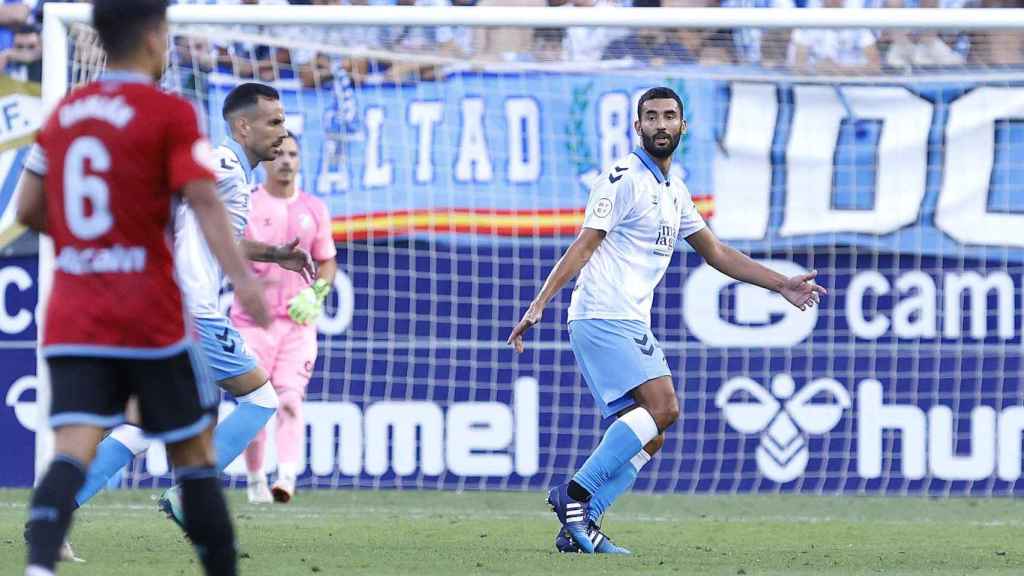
<point>509,16</point>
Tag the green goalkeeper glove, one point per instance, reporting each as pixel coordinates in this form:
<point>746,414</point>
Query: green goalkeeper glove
<point>307,305</point>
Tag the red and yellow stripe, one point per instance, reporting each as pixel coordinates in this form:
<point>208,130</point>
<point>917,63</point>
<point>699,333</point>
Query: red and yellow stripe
<point>513,223</point>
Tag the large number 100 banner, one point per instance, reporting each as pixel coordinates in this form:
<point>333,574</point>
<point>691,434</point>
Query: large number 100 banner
<point>453,199</point>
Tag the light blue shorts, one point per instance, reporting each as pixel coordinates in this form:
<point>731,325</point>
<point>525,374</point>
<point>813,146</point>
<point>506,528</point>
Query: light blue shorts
<point>224,349</point>
<point>616,356</point>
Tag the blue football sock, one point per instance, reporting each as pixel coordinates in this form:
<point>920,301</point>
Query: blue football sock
<point>111,456</point>
<point>620,483</point>
<point>624,438</point>
<point>234,433</point>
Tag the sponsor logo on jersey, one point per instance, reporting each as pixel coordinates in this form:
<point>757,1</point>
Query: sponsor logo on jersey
<point>116,259</point>
<point>666,241</point>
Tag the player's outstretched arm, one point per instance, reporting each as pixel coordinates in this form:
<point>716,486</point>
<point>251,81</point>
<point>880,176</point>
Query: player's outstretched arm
<point>568,266</point>
<point>32,202</point>
<point>800,291</point>
<point>213,220</point>
<point>288,256</point>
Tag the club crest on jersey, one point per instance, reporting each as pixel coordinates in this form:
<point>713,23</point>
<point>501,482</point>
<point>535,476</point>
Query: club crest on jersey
<point>305,222</point>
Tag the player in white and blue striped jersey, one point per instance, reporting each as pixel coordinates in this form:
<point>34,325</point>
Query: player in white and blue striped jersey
<point>635,213</point>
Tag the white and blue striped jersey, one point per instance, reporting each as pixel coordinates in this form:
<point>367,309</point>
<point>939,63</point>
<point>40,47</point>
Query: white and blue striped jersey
<point>642,214</point>
<point>199,273</point>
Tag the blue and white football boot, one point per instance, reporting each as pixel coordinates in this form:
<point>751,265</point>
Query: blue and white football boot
<point>170,504</point>
<point>572,515</point>
<point>601,542</point>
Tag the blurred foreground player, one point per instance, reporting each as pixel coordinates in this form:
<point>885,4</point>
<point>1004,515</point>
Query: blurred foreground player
<point>100,181</point>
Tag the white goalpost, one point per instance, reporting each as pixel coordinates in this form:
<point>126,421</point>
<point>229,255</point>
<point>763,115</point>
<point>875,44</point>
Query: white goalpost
<point>455,146</point>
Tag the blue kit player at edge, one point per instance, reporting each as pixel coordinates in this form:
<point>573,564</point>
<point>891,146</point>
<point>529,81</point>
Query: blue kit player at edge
<point>255,120</point>
<point>634,214</point>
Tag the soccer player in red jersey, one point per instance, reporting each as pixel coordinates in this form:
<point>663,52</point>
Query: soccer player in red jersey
<point>107,166</point>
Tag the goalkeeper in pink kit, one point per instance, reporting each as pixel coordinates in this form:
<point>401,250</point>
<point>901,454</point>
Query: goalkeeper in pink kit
<point>287,349</point>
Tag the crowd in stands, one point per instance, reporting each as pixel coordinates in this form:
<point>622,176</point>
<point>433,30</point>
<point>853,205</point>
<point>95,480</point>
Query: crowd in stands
<point>397,53</point>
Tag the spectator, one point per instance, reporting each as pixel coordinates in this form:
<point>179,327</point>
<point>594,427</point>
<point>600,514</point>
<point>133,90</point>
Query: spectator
<point>192,60</point>
<point>654,46</point>
<point>587,44</point>
<point>850,50</point>
<point>690,38</point>
<point>998,47</point>
<point>760,47</point>
<point>24,60</point>
<point>921,49</point>
<point>547,44</point>
<point>13,15</point>
<point>447,41</point>
<point>315,68</point>
<point>505,44</point>
<point>247,59</point>
<point>719,49</point>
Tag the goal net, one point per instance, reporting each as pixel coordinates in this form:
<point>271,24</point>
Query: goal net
<point>456,160</point>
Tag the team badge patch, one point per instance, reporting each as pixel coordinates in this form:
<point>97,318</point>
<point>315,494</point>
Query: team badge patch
<point>603,208</point>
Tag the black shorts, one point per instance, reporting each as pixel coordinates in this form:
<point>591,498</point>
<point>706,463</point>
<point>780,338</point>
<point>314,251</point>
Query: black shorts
<point>176,399</point>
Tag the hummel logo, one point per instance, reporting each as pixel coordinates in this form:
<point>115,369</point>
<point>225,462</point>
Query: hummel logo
<point>224,339</point>
<point>643,342</point>
<point>782,454</point>
<point>614,179</point>
<point>224,164</point>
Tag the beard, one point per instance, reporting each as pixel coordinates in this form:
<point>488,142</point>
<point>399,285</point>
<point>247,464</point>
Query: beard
<point>661,150</point>
<point>270,154</point>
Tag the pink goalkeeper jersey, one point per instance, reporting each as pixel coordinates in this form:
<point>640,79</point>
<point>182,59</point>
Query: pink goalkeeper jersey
<point>277,221</point>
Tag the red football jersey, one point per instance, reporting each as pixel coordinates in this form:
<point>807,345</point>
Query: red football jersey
<point>113,155</point>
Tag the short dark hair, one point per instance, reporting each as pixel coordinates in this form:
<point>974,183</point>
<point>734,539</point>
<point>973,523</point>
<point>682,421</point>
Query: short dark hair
<point>121,24</point>
<point>245,95</point>
<point>659,93</point>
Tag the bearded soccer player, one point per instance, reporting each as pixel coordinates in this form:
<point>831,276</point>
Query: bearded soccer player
<point>287,349</point>
<point>255,120</point>
<point>101,180</point>
<point>634,214</point>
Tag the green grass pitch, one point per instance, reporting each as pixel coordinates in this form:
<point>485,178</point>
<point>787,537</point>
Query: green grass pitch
<point>425,533</point>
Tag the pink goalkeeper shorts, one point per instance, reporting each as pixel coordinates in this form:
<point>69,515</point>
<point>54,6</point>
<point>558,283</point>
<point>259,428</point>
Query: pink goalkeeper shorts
<point>286,350</point>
